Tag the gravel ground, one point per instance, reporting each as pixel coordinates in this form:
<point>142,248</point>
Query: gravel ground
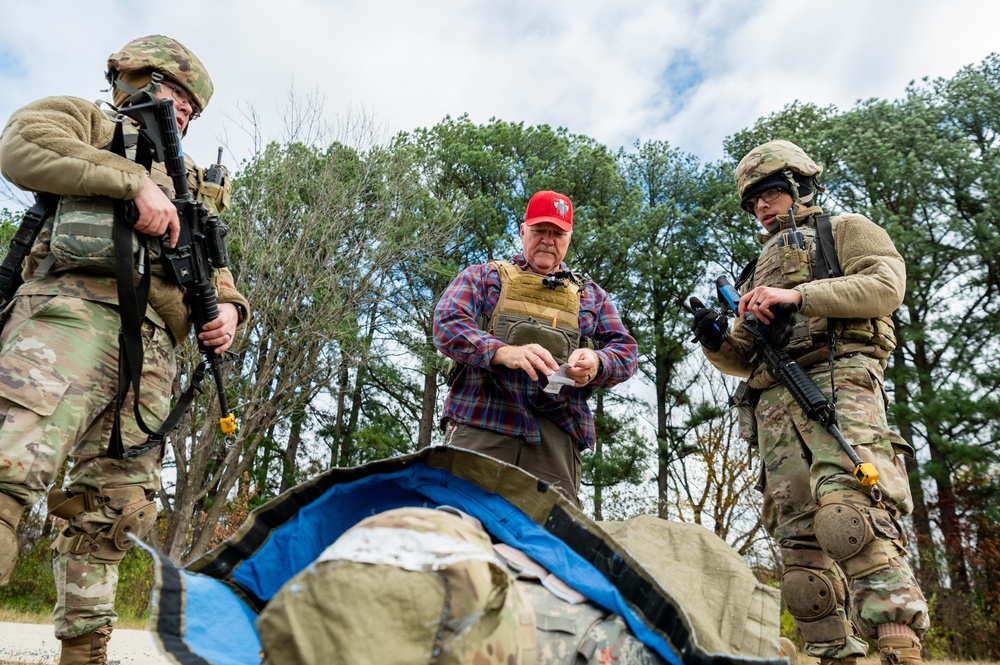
<point>34,644</point>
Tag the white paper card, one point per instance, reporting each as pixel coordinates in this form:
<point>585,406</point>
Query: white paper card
<point>559,379</point>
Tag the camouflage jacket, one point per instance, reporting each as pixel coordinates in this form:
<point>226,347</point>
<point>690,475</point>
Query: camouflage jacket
<point>57,145</point>
<point>871,288</point>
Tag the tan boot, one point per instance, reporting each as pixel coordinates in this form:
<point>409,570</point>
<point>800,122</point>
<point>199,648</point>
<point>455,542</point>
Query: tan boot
<point>10,515</point>
<point>89,649</point>
<point>850,660</point>
<point>898,651</point>
<point>788,650</point>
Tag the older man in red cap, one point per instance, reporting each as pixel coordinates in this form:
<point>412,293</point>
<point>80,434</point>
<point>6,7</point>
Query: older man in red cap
<point>530,340</point>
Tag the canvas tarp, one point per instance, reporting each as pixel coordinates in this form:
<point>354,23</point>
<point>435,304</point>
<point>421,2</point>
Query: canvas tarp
<point>681,589</point>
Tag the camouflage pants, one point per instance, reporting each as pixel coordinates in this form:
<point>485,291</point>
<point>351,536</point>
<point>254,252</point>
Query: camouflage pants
<point>581,633</point>
<point>58,380</point>
<point>803,463</point>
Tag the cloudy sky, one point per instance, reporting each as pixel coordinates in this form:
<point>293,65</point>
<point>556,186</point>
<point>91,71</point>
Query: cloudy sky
<point>690,72</point>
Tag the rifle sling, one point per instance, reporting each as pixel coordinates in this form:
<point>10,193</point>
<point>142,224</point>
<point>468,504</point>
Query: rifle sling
<point>132,304</point>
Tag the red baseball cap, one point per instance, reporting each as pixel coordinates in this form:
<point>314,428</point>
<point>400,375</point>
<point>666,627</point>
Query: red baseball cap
<point>550,207</point>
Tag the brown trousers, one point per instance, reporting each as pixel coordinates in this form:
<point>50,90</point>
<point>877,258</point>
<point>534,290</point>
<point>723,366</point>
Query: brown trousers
<point>556,460</point>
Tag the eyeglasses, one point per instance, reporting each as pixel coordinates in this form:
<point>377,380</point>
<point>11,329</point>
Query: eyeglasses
<point>181,96</point>
<point>768,195</point>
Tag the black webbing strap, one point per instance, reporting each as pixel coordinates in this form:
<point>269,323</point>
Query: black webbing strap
<point>132,303</point>
<point>31,223</point>
<point>825,247</point>
<point>826,250</point>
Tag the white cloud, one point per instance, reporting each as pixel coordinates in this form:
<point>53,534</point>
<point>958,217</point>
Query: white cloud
<point>688,72</point>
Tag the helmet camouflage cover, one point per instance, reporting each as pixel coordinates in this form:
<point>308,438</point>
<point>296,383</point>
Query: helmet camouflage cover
<point>770,158</point>
<point>170,58</point>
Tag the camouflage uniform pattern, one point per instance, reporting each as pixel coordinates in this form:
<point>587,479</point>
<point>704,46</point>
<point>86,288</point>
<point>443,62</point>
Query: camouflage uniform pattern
<point>844,571</point>
<point>58,378</point>
<point>803,465</point>
<point>59,354</point>
<point>170,57</point>
<point>770,158</point>
<point>843,552</point>
<point>464,605</point>
<point>574,634</point>
<point>426,580</point>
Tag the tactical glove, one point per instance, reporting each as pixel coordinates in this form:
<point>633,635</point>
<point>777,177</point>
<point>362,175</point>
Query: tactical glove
<point>709,326</point>
<point>779,331</point>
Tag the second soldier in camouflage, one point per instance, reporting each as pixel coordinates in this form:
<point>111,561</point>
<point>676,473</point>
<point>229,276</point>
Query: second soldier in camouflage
<point>842,546</point>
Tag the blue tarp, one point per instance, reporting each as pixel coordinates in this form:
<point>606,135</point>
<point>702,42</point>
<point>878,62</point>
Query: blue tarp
<point>205,614</point>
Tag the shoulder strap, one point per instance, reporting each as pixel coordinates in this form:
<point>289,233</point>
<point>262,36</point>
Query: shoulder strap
<point>826,251</point>
<point>826,248</point>
<point>505,269</point>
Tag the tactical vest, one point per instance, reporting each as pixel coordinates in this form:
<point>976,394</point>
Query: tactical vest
<point>782,264</point>
<point>538,309</point>
<point>81,234</point>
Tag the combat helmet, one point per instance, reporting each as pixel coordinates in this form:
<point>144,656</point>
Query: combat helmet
<point>167,56</point>
<point>779,164</point>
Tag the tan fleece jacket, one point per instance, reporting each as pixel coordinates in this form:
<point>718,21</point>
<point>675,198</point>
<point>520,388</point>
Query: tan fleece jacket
<point>873,285</point>
<point>56,145</point>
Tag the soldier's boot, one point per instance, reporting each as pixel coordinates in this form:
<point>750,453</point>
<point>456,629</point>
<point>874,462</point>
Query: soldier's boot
<point>788,650</point>
<point>898,644</point>
<point>898,651</point>
<point>10,515</point>
<point>849,660</point>
<point>89,649</point>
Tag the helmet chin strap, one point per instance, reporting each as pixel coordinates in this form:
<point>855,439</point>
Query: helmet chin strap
<point>797,201</point>
<point>115,80</point>
<point>155,79</point>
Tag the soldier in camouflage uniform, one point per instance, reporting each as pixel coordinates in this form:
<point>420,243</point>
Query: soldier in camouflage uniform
<point>842,546</point>
<point>416,585</point>
<point>59,347</point>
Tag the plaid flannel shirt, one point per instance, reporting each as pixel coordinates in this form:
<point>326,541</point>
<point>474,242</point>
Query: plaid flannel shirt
<point>503,400</point>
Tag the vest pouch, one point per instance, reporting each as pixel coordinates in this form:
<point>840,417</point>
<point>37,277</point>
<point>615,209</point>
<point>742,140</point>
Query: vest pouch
<point>520,330</point>
<point>82,234</point>
<point>803,338</point>
<point>885,333</point>
<point>745,400</point>
<point>795,265</point>
<point>216,197</point>
<point>856,330</point>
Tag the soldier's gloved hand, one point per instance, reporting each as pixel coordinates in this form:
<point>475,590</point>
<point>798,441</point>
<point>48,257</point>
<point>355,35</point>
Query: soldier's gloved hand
<point>779,332</point>
<point>709,326</point>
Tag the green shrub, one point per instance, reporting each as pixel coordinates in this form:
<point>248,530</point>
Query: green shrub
<point>31,589</point>
<point>135,585</point>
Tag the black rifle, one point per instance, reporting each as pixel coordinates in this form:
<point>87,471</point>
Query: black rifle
<point>200,246</point>
<point>808,395</point>
<point>31,223</point>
